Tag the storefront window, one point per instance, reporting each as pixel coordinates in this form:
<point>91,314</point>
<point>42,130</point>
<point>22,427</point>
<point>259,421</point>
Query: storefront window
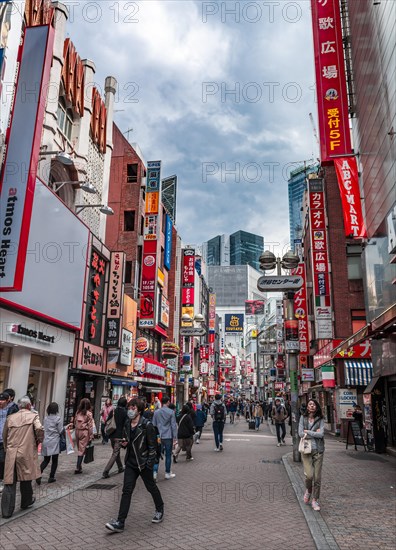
<point>5,359</point>
<point>40,384</point>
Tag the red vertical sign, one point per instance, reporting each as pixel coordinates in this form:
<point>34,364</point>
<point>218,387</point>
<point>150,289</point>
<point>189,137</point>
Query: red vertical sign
<point>335,137</point>
<point>348,183</point>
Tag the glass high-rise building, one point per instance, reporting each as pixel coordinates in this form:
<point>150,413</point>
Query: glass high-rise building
<point>297,185</point>
<point>245,249</point>
<point>240,248</point>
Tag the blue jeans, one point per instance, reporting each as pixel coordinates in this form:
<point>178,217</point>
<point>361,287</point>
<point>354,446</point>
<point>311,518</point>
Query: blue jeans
<point>218,428</point>
<point>258,422</point>
<point>167,445</point>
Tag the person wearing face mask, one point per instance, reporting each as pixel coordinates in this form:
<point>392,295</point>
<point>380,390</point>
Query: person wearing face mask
<point>140,440</point>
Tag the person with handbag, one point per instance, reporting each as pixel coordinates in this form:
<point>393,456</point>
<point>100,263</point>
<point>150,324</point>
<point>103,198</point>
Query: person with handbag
<point>185,434</point>
<point>140,440</point>
<point>53,427</point>
<point>120,415</point>
<point>311,432</point>
<point>83,424</point>
<point>104,415</point>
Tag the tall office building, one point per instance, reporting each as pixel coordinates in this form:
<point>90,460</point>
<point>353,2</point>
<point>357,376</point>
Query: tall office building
<point>240,248</point>
<point>297,185</point>
<point>245,249</point>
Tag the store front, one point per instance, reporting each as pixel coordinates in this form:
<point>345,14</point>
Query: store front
<point>34,359</point>
<point>150,375</point>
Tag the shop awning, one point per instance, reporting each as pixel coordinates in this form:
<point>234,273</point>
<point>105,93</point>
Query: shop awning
<point>372,384</point>
<point>154,390</point>
<point>123,382</point>
<point>356,338</point>
<point>358,372</point>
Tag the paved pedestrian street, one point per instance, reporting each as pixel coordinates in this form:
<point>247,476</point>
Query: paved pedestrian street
<point>242,497</point>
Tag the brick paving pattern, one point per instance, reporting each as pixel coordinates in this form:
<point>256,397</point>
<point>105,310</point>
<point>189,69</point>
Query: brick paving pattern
<point>239,498</point>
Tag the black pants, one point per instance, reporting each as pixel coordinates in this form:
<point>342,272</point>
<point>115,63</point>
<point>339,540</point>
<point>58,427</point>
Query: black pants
<point>54,464</point>
<point>198,430</point>
<point>130,477</point>
<point>2,461</point>
<point>9,496</point>
<point>278,428</point>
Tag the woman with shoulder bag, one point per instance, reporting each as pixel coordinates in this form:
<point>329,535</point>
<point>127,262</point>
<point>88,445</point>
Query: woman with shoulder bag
<point>185,433</point>
<point>53,427</point>
<point>83,423</point>
<point>311,430</point>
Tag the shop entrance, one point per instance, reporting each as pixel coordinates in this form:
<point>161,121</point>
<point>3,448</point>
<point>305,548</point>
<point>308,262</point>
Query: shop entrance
<point>40,384</point>
<point>5,360</point>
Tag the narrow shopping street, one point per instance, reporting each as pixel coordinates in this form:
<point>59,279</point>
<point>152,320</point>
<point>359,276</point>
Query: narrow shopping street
<point>242,496</point>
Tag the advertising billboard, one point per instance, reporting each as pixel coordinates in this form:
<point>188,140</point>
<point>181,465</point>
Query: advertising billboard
<point>348,183</point>
<point>233,322</point>
<point>18,178</point>
<point>254,307</point>
<point>334,133</point>
<point>115,296</point>
<point>168,242</point>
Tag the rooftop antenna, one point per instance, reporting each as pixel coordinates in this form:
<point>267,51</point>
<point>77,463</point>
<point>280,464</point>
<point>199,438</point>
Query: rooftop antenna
<point>128,132</point>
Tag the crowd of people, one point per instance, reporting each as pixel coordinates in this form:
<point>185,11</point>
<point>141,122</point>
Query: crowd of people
<point>147,433</point>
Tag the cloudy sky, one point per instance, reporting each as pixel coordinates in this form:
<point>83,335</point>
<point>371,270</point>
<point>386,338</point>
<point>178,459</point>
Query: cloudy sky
<point>220,92</point>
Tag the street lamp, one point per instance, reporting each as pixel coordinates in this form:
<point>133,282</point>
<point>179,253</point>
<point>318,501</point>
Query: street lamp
<point>290,260</point>
<point>61,156</point>
<point>104,208</point>
<point>85,186</point>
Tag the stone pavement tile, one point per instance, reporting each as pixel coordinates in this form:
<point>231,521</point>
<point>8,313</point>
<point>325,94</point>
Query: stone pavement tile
<point>358,496</point>
<point>221,500</point>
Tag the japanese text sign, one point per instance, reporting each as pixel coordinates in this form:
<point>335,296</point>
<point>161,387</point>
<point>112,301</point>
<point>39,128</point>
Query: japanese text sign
<point>95,297</point>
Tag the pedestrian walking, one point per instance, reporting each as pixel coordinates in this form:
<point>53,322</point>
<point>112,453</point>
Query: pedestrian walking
<point>21,435</point>
<point>279,415</point>
<point>4,397</point>
<point>53,427</point>
<point>157,403</point>
<point>104,415</point>
<point>83,424</point>
<point>185,433</point>
<point>311,427</point>
<point>141,450</point>
<point>218,412</point>
<point>233,410</point>
<point>164,420</point>
<point>257,414</point>
<point>11,406</point>
<point>200,420</point>
<point>120,416</point>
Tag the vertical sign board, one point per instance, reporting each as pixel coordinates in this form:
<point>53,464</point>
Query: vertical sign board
<point>18,177</point>
<point>95,299</point>
<point>150,243</point>
<point>348,184</point>
<point>301,314</point>
<point>114,302</point>
<point>188,276</point>
<point>320,262</point>
<point>168,242</point>
<point>334,133</point>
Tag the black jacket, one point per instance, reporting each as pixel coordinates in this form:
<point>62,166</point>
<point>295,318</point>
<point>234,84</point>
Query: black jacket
<point>186,426</point>
<point>143,444</point>
<point>121,415</point>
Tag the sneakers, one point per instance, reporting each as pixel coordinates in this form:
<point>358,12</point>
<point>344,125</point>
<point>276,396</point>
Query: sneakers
<point>158,517</point>
<point>315,505</point>
<point>190,458</point>
<point>51,480</point>
<point>217,449</point>
<point>197,442</point>
<point>115,525</point>
<point>169,476</point>
<point>174,459</point>
<point>283,442</point>
<point>221,447</point>
<point>29,505</point>
<point>307,496</point>
<point>155,475</point>
<point>105,475</point>
<point>278,444</point>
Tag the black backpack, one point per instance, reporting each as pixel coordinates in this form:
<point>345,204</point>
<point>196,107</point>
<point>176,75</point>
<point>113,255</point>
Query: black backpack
<point>218,412</point>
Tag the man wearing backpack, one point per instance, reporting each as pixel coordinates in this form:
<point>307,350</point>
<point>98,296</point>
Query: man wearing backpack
<point>279,415</point>
<point>218,412</point>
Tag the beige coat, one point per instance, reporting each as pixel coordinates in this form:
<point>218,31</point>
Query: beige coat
<point>84,431</point>
<point>22,433</point>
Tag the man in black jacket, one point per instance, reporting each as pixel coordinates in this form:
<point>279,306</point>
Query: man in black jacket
<point>120,415</point>
<point>140,440</point>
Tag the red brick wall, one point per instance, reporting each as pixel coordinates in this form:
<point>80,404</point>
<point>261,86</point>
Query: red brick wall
<point>124,196</point>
